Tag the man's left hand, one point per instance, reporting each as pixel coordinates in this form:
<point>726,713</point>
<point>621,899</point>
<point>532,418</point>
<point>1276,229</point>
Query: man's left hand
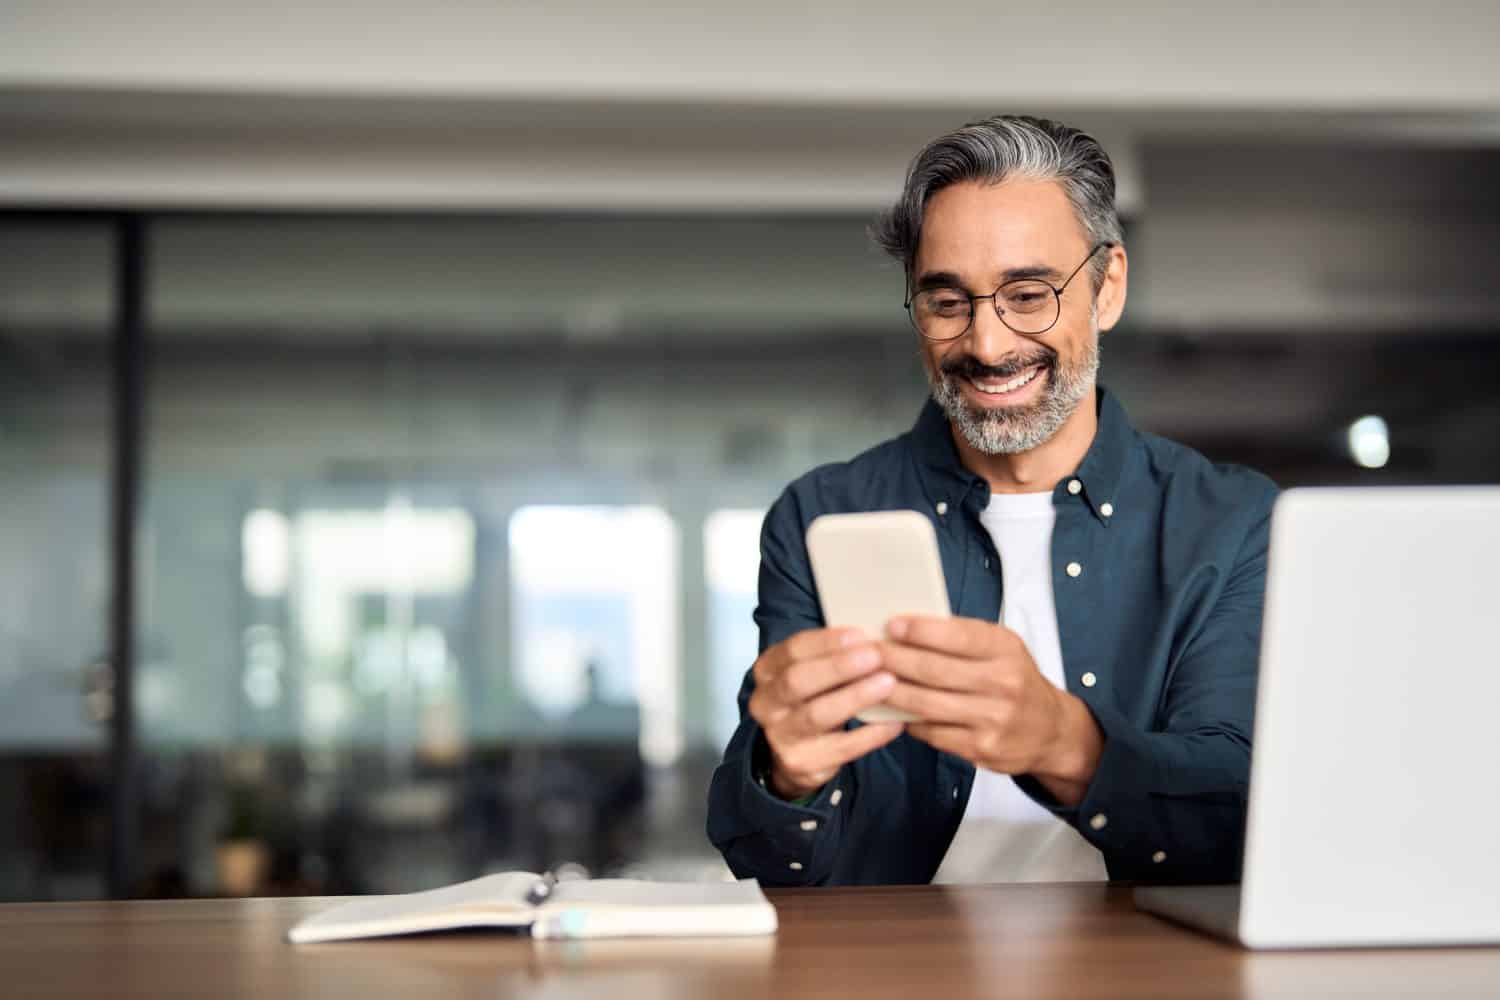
<point>980,696</point>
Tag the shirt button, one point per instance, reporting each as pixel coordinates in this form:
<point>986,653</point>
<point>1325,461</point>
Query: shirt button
<point>1107,509</point>
<point>942,507</point>
<point>955,793</point>
<point>795,866</point>
<point>1089,680</point>
<point>1075,487</point>
<point>1074,569</point>
<point>986,562</point>
<point>809,825</point>
<point>1158,857</point>
<point>834,799</point>
<point>1099,821</point>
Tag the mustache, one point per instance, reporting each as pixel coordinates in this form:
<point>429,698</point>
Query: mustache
<point>969,367</point>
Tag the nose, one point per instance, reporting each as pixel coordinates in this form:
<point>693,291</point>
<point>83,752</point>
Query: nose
<point>990,340</point>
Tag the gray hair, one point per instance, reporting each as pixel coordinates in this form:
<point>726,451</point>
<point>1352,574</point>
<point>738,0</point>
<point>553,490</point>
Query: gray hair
<point>994,150</point>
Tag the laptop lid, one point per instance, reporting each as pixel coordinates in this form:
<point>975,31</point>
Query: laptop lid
<point>1375,794</point>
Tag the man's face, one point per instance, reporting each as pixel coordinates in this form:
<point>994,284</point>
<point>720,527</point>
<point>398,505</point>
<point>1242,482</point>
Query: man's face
<point>1007,392</point>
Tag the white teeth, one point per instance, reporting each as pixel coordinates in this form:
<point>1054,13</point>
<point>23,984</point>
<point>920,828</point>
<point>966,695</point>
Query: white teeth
<point>1011,386</point>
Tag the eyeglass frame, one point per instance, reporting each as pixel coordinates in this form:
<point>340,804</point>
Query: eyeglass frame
<point>1057,294</point>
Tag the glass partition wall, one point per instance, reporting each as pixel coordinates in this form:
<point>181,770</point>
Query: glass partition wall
<point>449,529</point>
<point>432,545</point>
<point>55,434</point>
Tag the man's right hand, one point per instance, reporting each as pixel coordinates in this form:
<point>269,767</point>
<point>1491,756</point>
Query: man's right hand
<point>806,688</point>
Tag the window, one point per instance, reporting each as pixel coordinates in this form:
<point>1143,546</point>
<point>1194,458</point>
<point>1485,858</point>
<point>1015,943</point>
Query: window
<point>731,546</point>
<point>595,595</point>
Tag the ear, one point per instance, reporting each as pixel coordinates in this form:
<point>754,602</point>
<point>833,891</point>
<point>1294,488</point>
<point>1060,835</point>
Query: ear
<point>1110,302</point>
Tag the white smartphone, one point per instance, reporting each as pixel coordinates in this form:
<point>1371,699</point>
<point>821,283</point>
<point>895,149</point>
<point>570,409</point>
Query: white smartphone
<point>871,567</point>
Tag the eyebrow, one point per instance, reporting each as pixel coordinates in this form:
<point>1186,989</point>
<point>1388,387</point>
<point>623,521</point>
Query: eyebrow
<point>947,279</point>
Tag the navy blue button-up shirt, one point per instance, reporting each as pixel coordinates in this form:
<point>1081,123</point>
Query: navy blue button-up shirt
<point>1158,563</point>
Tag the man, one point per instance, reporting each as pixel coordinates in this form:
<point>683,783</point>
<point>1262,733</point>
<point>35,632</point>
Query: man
<point>1087,712</point>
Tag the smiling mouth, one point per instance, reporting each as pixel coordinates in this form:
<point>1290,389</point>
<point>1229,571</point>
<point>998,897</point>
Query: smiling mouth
<point>1010,387</point>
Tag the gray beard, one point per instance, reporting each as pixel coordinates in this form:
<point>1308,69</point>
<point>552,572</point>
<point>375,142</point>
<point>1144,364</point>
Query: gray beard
<point>1013,430</point>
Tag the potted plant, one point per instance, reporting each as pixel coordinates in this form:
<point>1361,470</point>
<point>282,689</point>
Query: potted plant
<point>242,857</point>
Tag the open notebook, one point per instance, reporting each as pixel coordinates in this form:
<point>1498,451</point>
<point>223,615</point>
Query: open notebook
<point>599,908</point>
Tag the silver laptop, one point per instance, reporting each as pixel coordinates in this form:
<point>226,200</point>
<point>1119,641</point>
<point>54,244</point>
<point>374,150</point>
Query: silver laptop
<point>1375,779</point>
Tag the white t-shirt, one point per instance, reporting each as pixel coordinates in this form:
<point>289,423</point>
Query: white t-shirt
<point>1005,836</point>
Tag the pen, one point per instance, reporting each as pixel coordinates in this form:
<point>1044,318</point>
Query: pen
<point>541,889</point>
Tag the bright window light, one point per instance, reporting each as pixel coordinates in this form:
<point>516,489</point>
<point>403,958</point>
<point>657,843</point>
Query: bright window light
<point>731,555</point>
<point>731,541</point>
<point>266,545</point>
<point>595,593</point>
<point>400,548</point>
<point>400,551</point>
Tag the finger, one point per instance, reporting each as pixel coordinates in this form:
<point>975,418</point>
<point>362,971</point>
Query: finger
<point>793,687</point>
<point>827,753</point>
<point>933,669</point>
<point>805,645</point>
<point>819,642</point>
<point>957,740</point>
<point>803,681</point>
<point>765,709</point>
<point>852,744</point>
<point>830,711</point>
<point>968,638</point>
<point>934,706</point>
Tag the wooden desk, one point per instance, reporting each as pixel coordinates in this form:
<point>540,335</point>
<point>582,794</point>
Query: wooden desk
<point>913,943</point>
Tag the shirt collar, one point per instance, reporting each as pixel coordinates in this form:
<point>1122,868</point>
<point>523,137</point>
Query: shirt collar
<point>1103,464</point>
<point>947,482</point>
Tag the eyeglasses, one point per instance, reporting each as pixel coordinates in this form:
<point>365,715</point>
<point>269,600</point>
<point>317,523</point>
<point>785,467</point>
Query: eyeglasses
<point>1028,306</point>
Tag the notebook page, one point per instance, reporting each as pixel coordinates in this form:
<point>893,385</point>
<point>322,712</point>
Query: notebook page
<point>634,892</point>
<point>628,908</point>
<point>445,907</point>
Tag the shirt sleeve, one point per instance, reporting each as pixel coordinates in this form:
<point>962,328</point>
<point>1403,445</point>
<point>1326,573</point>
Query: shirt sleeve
<point>1169,805</point>
<point>761,835</point>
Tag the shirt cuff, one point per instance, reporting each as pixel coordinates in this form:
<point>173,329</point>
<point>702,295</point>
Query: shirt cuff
<point>777,841</point>
<point>1113,811</point>
<point>760,770</point>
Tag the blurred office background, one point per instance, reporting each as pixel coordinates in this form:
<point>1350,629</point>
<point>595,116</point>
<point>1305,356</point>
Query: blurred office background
<point>441,360</point>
